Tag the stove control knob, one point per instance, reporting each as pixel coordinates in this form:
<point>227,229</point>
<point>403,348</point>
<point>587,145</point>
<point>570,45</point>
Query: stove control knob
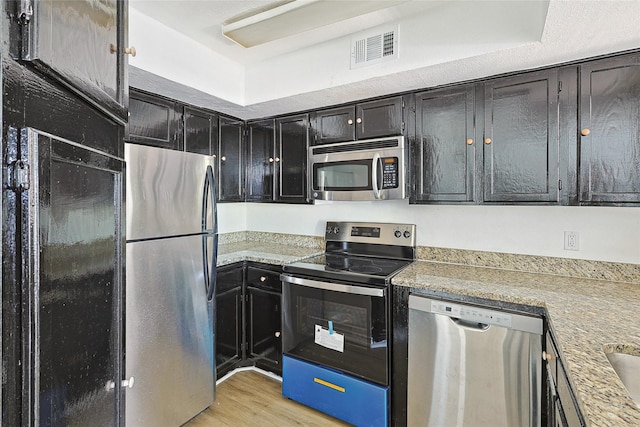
<point>336,230</point>
<point>398,234</point>
<point>407,234</point>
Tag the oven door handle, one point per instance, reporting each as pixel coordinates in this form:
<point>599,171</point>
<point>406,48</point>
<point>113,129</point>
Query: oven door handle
<point>337,287</point>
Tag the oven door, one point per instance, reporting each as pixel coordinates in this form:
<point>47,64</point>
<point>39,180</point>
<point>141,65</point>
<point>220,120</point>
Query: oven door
<point>339,326</point>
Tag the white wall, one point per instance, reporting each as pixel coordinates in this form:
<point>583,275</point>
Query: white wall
<point>605,233</point>
<point>172,55</point>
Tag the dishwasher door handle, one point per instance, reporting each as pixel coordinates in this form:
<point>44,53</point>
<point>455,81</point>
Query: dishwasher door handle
<point>467,324</point>
<point>337,287</point>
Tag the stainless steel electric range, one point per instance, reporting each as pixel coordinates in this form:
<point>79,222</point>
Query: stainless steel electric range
<point>336,321</point>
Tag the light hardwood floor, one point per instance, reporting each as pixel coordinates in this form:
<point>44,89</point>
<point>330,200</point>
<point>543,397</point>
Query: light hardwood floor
<point>249,398</point>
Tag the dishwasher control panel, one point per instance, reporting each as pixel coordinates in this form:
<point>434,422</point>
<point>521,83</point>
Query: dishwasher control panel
<point>471,314</point>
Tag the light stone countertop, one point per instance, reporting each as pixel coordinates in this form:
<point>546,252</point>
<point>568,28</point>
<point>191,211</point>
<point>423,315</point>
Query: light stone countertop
<point>269,253</point>
<point>587,316</point>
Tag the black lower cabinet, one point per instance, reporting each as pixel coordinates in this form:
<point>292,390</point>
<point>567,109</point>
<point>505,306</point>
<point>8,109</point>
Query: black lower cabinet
<point>562,409</point>
<point>228,327</point>
<point>399,354</point>
<point>263,321</point>
<point>248,317</point>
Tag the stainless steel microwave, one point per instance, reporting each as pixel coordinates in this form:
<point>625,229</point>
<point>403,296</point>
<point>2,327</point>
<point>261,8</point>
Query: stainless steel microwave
<point>372,169</point>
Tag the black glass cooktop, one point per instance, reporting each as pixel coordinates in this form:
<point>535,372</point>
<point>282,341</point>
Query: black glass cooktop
<point>354,268</point>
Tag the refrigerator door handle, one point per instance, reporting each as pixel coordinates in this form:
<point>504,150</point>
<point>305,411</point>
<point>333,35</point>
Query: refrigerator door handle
<point>209,204</point>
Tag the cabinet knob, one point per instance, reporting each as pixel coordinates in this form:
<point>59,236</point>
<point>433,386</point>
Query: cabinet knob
<point>263,278</point>
<point>128,383</point>
<point>277,159</point>
<point>127,50</point>
<point>215,156</point>
<point>358,120</point>
<point>487,141</point>
<point>277,334</point>
<point>270,159</point>
<point>548,356</point>
<point>469,141</point>
<point>223,158</point>
<point>349,122</point>
<point>585,132</point>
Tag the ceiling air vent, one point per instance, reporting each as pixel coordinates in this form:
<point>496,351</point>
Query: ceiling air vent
<point>372,48</point>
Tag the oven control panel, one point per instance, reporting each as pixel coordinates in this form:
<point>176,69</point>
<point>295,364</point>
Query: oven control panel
<point>376,233</point>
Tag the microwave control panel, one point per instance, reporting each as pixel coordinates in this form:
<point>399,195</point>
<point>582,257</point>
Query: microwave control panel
<point>390,173</point>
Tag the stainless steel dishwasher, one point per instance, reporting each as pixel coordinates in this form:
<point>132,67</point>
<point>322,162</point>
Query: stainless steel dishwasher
<point>472,366</point>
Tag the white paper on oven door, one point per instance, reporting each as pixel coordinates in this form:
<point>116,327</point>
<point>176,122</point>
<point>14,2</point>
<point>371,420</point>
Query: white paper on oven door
<point>329,339</point>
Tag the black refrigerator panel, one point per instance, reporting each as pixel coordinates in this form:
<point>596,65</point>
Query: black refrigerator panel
<point>71,205</point>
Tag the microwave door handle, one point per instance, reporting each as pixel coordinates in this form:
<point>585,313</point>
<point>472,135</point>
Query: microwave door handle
<point>375,167</point>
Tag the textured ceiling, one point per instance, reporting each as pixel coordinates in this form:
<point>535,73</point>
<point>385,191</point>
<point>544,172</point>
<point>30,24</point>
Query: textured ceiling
<point>457,42</point>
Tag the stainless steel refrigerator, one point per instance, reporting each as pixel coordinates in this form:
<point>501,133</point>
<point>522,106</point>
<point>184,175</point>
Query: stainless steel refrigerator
<point>170,271</point>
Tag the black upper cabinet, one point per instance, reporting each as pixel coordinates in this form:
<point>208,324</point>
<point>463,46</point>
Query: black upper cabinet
<point>521,141</point>
<point>610,130</point>
<point>291,158</point>
<point>361,121</point>
<point>517,161</point>
<point>277,159</point>
<point>230,161</point>
<point>260,160</point>
<point>444,158</point>
<point>82,44</point>
<point>155,121</point>
<point>200,131</point>
<point>334,125</point>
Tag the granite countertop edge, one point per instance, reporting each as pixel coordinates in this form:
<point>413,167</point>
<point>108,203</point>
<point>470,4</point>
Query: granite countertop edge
<point>587,316</point>
<point>268,253</point>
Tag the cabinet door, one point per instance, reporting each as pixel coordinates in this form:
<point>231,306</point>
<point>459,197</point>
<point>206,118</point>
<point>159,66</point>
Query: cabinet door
<point>263,317</point>
<point>154,121</point>
<point>445,154</point>
<point>610,130</point>
<point>228,327</point>
<point>200,131</point>
<point>230,161</point>
<point>379,118</point>
<point>334,125</point>
<point>263,328</point>
<point>80,43</point>
<point>73,241</point>
<point>291,158</point>
<point>521,138</point>
<point>260,160</point>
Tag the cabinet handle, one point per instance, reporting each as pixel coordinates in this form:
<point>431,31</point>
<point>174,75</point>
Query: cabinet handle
<point>270,159</point>
<point>277,334</point>
<point>349,122</point>
<point>469,141</point>
<point>548,356</point>
<point>358,120</point>
<point>223,158</point>
<point>487,141</point>
<point>263,278</point>
<point>277,159</point>
<point>585,132</point>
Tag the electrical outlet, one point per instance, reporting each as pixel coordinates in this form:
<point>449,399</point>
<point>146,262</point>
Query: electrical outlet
<point>571,241</point>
